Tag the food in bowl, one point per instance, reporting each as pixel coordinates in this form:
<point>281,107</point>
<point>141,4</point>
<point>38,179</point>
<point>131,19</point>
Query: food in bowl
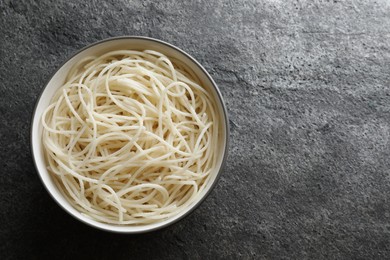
<point>131,137</point>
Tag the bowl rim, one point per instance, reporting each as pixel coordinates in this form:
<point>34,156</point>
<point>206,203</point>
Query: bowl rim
<point>225,116</point>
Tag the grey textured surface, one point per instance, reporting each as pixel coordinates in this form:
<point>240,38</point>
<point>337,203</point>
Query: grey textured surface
<point>307,86</point>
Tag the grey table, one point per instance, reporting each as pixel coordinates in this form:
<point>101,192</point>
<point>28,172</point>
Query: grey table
<point>307,86</point>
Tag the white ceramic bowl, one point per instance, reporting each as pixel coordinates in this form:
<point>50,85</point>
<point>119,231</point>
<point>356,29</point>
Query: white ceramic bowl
<point>58,78</point>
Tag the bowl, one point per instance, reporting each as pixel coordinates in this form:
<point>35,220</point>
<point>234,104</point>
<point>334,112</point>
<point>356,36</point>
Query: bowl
<point>98,48</point>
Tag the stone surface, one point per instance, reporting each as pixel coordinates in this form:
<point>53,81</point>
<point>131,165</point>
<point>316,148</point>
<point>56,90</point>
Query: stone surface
<point>307,86</point>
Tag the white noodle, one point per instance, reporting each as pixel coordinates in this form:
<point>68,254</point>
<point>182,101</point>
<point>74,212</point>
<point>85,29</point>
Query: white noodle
<point>131,137</point>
